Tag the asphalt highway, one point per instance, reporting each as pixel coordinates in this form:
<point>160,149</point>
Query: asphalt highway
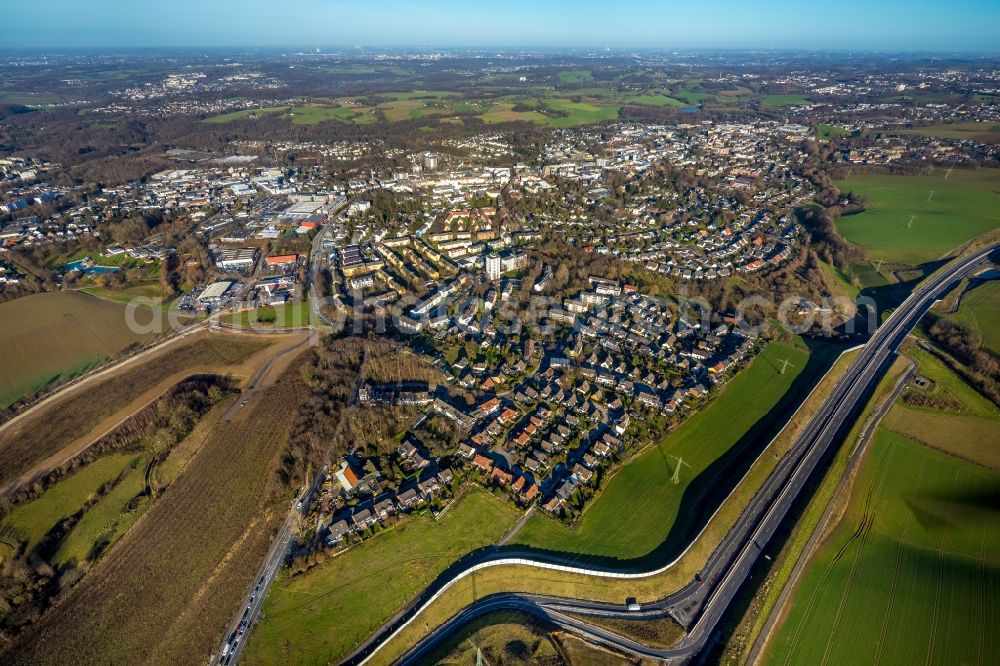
<point>700,605</point>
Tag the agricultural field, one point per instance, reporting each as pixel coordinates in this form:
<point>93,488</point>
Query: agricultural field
<point>76,420</point>
<point>319,616</point>
<point>576,76</point>
<point>946,211</point>
<point>165,591</point>
<point>980,311</point>
<point>715,443</point>
<point>58,335</point>
<point>310,114</point>
<point>970,130</point>
<point>591,105</point>
<point>911,571</point>
<point>910,574</point>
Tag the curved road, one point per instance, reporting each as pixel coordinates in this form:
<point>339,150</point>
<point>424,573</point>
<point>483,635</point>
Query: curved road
<point>701,604</point>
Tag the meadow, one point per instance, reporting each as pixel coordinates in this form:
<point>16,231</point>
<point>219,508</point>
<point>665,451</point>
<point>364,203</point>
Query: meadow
<point>947,210</point>
<point>57,335</point>
<point>32,521</point>
<point>244,114</point>
<point>907,574</point>
<point>970,130</point>
<point>281,316</point>
<point>966,428</point>
<point>980,311</point>
<point>320,615</point>
<point>715,443</point>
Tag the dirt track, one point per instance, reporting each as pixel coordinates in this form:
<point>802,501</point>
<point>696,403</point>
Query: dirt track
<point>263,362</point>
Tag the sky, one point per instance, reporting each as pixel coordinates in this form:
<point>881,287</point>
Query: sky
<point>884,25</point>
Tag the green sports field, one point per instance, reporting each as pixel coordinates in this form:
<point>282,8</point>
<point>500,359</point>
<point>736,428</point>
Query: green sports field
<point>641,512</point>
<point>317,617</point>
<point>947,210</point>
<point>826,132</point>
<point>785,100</point>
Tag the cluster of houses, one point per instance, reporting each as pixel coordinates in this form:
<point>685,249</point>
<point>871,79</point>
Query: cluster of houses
<point>360,518</point>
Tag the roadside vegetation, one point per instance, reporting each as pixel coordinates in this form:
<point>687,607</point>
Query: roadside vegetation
<point>772,581</point>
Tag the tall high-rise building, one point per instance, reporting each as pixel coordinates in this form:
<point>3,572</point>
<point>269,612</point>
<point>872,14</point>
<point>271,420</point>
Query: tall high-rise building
<point>494,266</point>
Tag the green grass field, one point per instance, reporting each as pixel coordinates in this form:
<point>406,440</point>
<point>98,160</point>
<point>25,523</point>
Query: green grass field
<point>53,336</point>
<point>578,113</point>
<point>317,617</point>
<point>980,310</point>
<point>691,96</point>
<point>126,294</point>
<point>975,131</point>
<point>576,76</point>
<point>107,520</point>
<point>910,575</point>
<point>312,114</point>
<point>652,100</point>
<point>642,489</point>
<point>827,132</point>
<point>307,114</point>
<point>785,100</point>
<point>948,211</point>
<point>243,114</point>
<point>966,430</point>
<point>286,316</point>
<point>33,520</point>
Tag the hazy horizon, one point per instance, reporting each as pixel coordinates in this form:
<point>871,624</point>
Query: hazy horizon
<point>963,26</point>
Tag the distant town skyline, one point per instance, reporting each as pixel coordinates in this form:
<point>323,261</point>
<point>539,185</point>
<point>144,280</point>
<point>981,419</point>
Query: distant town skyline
<point>919,25</point>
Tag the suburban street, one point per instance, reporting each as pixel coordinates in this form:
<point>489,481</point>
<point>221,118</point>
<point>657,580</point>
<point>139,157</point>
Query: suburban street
<point>699,606</point>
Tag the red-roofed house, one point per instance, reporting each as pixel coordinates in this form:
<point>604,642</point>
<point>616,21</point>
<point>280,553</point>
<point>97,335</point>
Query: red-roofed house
<point>490,406</point>
<point>500,476</point>
<point>482,462</point>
